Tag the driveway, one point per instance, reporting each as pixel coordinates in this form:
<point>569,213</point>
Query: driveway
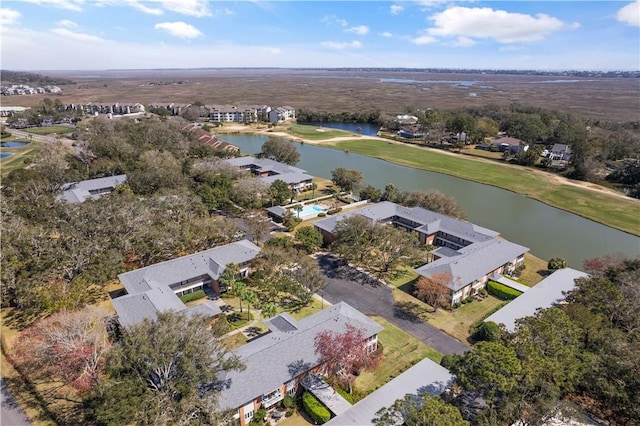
<point>369,296</point>
<point>10,414</point>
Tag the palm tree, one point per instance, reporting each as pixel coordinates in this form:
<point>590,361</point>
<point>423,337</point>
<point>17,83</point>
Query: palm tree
<point>240,291</point>
<point>314,186</point>
<point>269,310</point>
<point>250,297</point>
<point>298,208</point>
<point>230,275</point>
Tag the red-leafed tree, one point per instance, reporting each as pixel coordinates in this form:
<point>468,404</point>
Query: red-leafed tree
<point>434,290</point>
<point>343,353</point>
<point>66,346</point>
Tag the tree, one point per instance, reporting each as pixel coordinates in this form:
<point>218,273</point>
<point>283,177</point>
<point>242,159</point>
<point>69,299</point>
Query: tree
<point>490,368</point>
<point>229,276</point>
<point>354,239</point>
<point>269,310</point>
<point>250,297</point>
<point>163,372</point>
<point>240,290</point>
<point>280,150</point>
<point>345,179</point>
<point>556,263</point>
<point>432,200</point>
<point>279,192</point>
<point>309,238</point>
<point>370,193</point>
<point>420,410</point>
<point>298,208</point>
<point>391,248</point>
<point>488,331</point>
<point>434,290</point>
<point>66,346</point>
<point>257,222</point>
<point>342,353</point>
<point>313,187</point>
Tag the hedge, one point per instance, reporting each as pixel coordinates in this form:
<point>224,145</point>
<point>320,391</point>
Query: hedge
<point>334,211</point>
<point>189,297</point>
<point>314,408</point>
<point>501,291</point>
<point>346,395</point>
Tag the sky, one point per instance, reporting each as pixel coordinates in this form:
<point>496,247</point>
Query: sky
<point>144,34</point>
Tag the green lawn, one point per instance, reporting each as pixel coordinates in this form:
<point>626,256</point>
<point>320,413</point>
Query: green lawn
<point>316,133</point>
<point>17,160</point>
<point>401,351</point>
<point>49,130</point>
<point>601,207</point>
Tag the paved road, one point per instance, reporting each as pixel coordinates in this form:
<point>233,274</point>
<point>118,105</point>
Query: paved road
<point>371,297</point>
<point>10,413</point>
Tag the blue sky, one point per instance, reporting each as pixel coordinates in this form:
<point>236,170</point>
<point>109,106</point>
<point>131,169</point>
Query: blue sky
<point>125,34</point>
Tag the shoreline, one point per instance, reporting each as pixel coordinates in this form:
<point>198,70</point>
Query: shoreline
<point>552,179</point>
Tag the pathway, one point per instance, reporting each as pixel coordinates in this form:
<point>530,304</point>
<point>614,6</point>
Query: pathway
<point>10,413</point>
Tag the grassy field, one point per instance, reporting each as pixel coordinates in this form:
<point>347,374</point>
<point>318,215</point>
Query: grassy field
<point>620,213</point>
<point>50,130</point>
<point>17,160</point>
<point>315,133</point>
<point>457,322</point>
<point>401,351</point>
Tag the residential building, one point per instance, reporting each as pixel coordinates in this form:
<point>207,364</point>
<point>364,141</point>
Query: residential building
<point>269,171</point>
<point>548,292</point>
<point>277,362</point>
<point>512,145</point>
<point>468,254</point>
<point>157,288</point>
<point>561,152</point>
<point>426,377</point>
<point>283,113</point>
<point>78,192</point>
<point>238,114</point>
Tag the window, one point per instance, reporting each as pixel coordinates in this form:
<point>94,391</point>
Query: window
<point>291,388</point>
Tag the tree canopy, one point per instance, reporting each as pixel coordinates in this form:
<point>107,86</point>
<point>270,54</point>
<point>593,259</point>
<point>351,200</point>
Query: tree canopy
<point>280,150</point>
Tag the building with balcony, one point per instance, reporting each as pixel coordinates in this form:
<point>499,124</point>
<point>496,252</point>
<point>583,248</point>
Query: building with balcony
<point>277,362</point>
<point>269,171</point>
<point>78,192</point>
<point>158,287</point>
<point>467,253</point>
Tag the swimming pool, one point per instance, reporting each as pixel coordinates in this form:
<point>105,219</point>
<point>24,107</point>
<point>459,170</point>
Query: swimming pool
<point>310,210</point>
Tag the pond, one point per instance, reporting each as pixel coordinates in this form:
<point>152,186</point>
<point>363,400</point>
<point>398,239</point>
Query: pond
<point>13,144</point>
<point>5,154</point>
<point>366,129</point>
<point>547,231</point>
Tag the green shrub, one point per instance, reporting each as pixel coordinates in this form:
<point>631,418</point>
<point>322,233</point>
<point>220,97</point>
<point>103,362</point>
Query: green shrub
<point>288,402</point>
<point>323,214</point>
<point>346,395</point>
<point>501,291</point>
<point>470,298</point>
<point>334,211</point>
<point>192,296</point>
<point>314,408</point>
<point>488,331</point>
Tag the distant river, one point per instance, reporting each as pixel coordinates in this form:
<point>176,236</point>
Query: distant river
<point>547,231</point>
<point>366,129</point>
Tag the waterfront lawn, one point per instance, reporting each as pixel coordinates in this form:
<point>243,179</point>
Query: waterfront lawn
<point>400,351</point>
<point>458,322</point>
<point>316,133</point>
<point>604,208</point>
<point>50,130</point>
<point>20,158</point>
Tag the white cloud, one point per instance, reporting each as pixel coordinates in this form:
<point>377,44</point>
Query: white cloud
<point>179,29</point>
<point>8,16</point>
<point>386,34</point>
<point>355,44</point>
<point>630,14</point>
<point>359,30</point>
<point>395,9</point>
<point>195,8</point>
<point>65,23</point>
<point>424,39</point>
<point>272,50</point>
<point>464,42</point>
<point>75,5</point>
<point>332,19</point>
<point>73,35</point>
<point>487,23</point>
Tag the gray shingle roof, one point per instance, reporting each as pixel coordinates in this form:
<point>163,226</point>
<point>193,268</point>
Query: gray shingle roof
<point>475,261</point>
<point>210,262</point>
<point>278,171</point>
<point>77,192</point>
<point>545,294</point>
<point>280,356</point>
<point>148,288</point>
<point>424,377</point>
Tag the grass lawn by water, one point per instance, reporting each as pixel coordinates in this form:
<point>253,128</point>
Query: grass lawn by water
<point>600,207</point>
<point>401,351</point>
<point>20,154</point>
<point>316,133</point>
